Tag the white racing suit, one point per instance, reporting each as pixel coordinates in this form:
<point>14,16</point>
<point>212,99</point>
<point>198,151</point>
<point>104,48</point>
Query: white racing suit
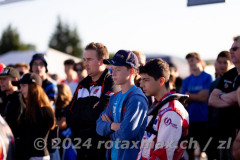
<point>170,125</point>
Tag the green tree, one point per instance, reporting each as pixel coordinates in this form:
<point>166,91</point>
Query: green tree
<point>66,40</point>
<point>10,41</point>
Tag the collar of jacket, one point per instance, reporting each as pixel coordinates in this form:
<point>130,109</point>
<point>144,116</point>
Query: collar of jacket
<point>89,81</point>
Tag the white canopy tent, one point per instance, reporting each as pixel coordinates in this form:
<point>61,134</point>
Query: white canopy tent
<point>55,59</point>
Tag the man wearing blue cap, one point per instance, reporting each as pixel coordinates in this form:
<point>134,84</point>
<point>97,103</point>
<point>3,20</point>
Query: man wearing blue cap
<point>124,119</point>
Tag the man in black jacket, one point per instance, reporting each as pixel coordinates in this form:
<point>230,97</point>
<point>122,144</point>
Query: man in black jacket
<point>89,100</point>
<point>13,109</point>
<point>14,106</point>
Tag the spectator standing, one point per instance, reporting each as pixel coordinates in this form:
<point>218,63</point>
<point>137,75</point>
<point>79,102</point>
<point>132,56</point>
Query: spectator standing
<point>63,100</point>
<point>22,68</point>
<point>39,118</point>
<point>71,80</point>
<point>142,61</point>
<point>197,87</point>
<point>38,65</point>
<point>171,120</point>
<point>89,100</point>
<point>125,117</point>
<point>222,64</point>
<point>81,71</point>
<point>175,81</point>
<point>14,105</point>
<point>224,97</point>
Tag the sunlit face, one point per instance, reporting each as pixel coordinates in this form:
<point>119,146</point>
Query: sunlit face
<point>120,74</point>
<point>91,62</point>
<point>24,90</point>
<point>223,65</point>
<point>193,63</point>
<point>38,67</point>
<point>235,54</point>
<point>6,83</point>
<point>149,85</point>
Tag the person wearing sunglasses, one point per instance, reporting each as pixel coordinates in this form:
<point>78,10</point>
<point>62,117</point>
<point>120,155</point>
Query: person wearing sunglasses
<point>224,97</point>
<point>22,68</point>
<point>81,71</point>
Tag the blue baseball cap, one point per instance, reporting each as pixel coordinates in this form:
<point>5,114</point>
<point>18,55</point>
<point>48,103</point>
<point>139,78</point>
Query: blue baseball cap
<point>123,58</point>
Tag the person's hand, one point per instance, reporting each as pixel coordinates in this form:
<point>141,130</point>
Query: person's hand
<point>105,118</point>
<point>115,126</point>
<point>230,98</point>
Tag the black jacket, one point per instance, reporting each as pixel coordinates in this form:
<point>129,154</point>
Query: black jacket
<point>81,114</point>
<point>31,132</point>
<point>13,111</point>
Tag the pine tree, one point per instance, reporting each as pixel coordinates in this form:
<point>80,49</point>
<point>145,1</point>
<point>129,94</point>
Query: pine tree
<point>10,41</point>
<point>66,40</point>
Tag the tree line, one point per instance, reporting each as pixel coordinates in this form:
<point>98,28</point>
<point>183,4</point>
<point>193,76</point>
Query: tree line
<point>63,39</point>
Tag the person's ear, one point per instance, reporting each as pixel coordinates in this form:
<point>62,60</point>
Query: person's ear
<point>100,62</point>
<point>161,81</point>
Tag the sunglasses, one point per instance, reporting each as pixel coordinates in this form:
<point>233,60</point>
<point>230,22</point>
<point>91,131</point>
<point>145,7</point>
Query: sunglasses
<point>234,48</point>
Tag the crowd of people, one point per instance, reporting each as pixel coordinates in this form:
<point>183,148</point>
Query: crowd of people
<point>122,108</point>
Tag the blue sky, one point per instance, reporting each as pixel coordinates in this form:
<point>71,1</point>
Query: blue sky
<point>153,26</point>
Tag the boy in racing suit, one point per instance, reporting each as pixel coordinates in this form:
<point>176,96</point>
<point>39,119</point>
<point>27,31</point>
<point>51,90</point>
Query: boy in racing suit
<point>169,124</point>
